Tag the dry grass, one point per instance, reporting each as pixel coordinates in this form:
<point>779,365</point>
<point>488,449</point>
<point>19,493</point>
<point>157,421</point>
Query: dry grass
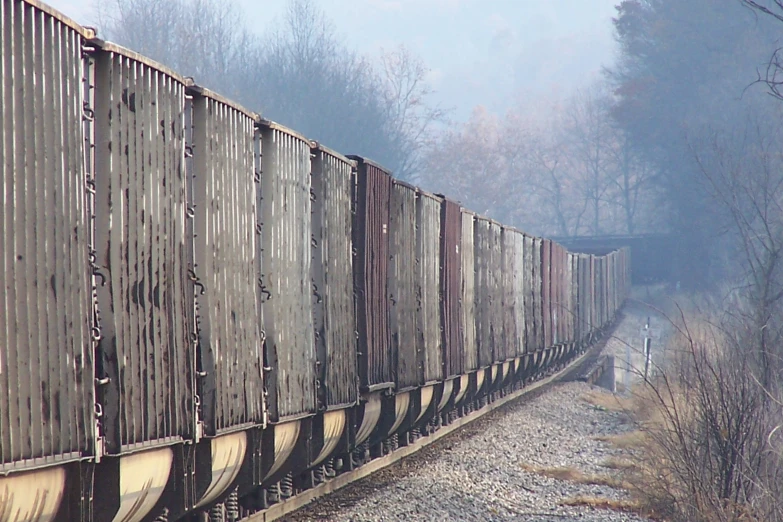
<point>622,505</point>
<point>628,440</point>
<point>569,474</point>
<point>608,401</point>
<point>621,464</point>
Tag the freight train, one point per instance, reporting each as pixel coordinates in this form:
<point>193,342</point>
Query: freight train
<point>204,312</point>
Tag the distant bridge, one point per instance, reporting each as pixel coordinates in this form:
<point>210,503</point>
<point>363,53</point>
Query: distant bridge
<point>652,255</point>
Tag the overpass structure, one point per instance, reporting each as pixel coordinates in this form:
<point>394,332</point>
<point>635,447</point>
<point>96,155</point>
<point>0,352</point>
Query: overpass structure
<point>653,256</point>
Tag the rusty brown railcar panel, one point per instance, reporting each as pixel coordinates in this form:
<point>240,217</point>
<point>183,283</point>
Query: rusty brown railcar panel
<point>371,241</point>
<point>333,303</point>
<point>46,356</point>
<point>428,339</point>
<point>144,247</point>
<point>468,291</point>
<point>285,286</point>
<point>402,287</point>
<point>452,324</point>
<point>509,294</point>
<point>229,342</point>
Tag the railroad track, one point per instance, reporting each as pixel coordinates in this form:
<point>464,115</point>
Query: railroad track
<point>581,368</point>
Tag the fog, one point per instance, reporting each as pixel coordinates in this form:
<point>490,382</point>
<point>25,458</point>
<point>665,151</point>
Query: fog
<point>496,54</point>
<point>568,118</point>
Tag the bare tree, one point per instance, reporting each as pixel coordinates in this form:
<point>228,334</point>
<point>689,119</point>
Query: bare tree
<point>410,117</point>
<point>590,138</point>
<point>204,39</point>
<point>744,170</point>
<point>706,455</point>
<point>541,167</point>
<point>633,182</point>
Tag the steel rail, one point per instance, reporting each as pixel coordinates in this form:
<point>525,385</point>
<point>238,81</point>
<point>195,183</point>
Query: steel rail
<point>302,499</point>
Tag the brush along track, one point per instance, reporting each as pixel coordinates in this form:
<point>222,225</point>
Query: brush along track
<point>570,372</point>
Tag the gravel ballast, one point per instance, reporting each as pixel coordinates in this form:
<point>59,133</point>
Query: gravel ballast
<point>481,472</point>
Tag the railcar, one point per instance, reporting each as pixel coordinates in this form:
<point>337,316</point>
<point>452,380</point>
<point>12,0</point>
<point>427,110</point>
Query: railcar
<point>206,312</point>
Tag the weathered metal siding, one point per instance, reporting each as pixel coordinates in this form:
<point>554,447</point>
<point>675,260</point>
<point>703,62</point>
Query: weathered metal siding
<point>537,293</point>
<point>468,292</point>
<point>520,290</point>
<point>554,292</point>
<point>483,285</point>
<point>451,288</point>
<point>585,293</point>
<point>546,292</point>
<point>428,340</point>
<point>284,278</point>
<point>333,304</point>
<point>371,241</point>
<point>144,247</point>
<point>229,341</point>
<point>529,294</point>
<point>580,290</point>
<point>508,278</point>
<point>572,298</point>
<point>499,342</point>
<point>403,286</point>
<point>46,359</point>
<point>558,293</point>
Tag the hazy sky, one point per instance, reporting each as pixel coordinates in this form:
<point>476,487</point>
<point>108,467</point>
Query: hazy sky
<point>497,53</point>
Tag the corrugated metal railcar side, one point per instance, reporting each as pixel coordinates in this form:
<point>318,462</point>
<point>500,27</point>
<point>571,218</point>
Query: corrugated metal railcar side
<point>144,247</point>
<point>452,322</point>
<point>586,295</point>
<point>556,278</point>
<point>496,313</point>
<point>578,293</point>
<point>224,164</point>
<point>403,286</point>
<point>429,340</point>
<point>613,282</point>
<point>508,277</point>
<point>285,304</point>
<point>520,291</point>
<point>595,316</point>
<point>565,292</point>
<point>561,308</point>
<point>573,296</point>
<point>484,291</point>
<point>333,303</point>
<point>528,245</point>
<point>599,291</point>
<point>538,295</point>
<point>46,356</point>
<point>546,292</point>
<point>371,241</point>
<point>468,291</point>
